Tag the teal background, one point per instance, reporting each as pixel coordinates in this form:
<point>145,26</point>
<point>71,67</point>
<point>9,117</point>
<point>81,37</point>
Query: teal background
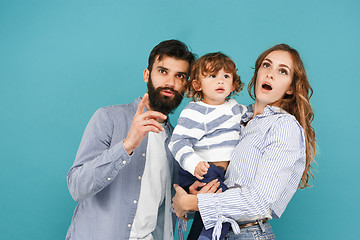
<point>62,60</point>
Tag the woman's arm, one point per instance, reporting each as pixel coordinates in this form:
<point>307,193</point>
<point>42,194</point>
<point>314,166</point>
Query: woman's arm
<point>183,202</point>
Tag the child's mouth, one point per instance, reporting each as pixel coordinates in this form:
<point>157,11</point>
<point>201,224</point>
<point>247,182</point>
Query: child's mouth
<point>220,90</point>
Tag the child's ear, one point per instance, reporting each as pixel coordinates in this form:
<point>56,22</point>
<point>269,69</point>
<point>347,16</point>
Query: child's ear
<point>146,75</point>
<point>196,85</point>
<point>233,87</point>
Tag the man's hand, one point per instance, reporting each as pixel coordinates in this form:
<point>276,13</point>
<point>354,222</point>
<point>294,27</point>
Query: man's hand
<point>201,169</point>
<point>142,123</point>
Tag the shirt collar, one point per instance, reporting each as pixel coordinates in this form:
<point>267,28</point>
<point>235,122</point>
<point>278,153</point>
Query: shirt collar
<point>268,111</point>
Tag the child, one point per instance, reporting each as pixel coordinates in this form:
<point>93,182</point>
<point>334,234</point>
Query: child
<point>208,128</point>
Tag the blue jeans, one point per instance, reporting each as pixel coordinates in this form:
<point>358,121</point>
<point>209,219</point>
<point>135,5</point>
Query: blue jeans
<point>257,232</point>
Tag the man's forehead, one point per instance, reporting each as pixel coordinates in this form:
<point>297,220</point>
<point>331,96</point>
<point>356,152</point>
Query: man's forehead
<point>166,61</point>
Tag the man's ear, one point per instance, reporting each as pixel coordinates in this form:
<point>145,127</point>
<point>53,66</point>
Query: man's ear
<point>196,85</point>
<point>146,75</point>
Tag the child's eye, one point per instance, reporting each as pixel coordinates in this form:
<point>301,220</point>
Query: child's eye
<point>226,76</point>
<point>212,76</point>
<point>284,71</point>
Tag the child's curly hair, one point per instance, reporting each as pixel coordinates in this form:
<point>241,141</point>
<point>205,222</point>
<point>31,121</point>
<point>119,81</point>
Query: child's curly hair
<point>209,64</point>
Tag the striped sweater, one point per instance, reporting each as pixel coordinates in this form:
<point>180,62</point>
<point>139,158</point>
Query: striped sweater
<point>206,133</point>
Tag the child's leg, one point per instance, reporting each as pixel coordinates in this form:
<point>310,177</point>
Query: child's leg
<point>186,179</point>
<point>215,173</point>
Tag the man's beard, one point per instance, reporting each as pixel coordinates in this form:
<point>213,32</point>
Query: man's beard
<point>159,102</point>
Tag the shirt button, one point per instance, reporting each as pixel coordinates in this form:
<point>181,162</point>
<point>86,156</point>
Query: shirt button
<point>143,154</point>
<point>129,225</point>
<point>123,162</point>
<point>135,201</point>
<point>139,177</point>
<point>108,179</point>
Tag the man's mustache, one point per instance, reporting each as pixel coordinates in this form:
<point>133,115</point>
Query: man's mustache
<point>169,89</point>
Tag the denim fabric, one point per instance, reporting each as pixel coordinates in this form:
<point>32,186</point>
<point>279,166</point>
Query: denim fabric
<point>186,179</point>
<point>253,233</point>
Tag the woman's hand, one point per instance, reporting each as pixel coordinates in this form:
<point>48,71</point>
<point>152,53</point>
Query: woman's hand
<point>183,202</point>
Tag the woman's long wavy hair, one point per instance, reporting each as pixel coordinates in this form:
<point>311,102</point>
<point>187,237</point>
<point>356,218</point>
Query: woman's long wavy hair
<point>296,104</point>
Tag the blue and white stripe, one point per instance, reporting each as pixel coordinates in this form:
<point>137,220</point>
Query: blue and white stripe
<point>263,174</point>
<point>206,133</point>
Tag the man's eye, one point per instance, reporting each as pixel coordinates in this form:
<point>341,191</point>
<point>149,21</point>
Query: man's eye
<point>180,76</point>
<point>162,71</point>
<point>283,71</point>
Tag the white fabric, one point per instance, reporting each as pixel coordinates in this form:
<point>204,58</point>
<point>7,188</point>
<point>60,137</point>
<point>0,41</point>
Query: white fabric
<point>154,183</point>
<point>206,133</point>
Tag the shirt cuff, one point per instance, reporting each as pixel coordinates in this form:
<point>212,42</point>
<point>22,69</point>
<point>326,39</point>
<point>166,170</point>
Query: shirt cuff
<point>190,164</point>
<point>209,208</point>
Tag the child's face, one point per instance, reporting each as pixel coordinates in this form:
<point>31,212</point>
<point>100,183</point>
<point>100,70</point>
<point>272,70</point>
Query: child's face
<point>274,78</point>
<point>215,87</point>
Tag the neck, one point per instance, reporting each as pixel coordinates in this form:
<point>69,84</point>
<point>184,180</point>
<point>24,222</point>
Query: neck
<point>258,108</point>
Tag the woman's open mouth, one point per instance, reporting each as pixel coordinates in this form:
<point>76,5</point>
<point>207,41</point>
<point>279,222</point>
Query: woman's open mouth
<point>266,87</point>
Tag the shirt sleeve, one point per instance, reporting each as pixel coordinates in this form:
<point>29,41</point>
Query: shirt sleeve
<point>188,131</point>
<point>96,164</point>
<point>276,180</point>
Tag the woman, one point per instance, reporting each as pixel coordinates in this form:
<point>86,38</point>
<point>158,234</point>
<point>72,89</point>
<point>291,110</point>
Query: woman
<point>273,157</point>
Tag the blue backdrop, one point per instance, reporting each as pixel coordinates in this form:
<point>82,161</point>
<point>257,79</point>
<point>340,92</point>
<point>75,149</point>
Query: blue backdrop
<point>62,60</point>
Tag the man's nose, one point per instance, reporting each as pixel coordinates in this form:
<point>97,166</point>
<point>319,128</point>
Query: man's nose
<point>170,81</point>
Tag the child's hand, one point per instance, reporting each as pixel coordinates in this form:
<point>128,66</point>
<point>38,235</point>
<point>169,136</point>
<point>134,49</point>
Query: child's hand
<point>201,169</point>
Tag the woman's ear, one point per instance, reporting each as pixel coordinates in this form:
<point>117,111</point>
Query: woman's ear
<point>290,91</point>
<point>196,85</point>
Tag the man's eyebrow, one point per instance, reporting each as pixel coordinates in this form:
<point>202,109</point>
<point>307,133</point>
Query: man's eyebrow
<point>183,73</point>
<point>161,67</point>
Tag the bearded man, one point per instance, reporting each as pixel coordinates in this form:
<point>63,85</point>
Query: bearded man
<point>123,172</point>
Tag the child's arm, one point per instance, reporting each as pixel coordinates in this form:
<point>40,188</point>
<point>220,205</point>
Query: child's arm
<point>201,169</point>
<point>186,134</point>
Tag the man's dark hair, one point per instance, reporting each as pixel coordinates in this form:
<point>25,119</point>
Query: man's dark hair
<point>172,48</point>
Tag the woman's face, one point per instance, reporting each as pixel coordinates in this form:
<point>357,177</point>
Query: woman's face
<point>274,78</point>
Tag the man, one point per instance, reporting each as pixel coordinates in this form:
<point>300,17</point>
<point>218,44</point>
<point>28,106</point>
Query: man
<point>123,172</point>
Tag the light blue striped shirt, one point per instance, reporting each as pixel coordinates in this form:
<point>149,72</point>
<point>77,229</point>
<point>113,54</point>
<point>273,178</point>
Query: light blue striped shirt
<point>264,172</point>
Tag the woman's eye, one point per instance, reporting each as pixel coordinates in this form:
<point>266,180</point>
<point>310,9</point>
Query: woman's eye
<point>266,65</point>
<point>283,71</point>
